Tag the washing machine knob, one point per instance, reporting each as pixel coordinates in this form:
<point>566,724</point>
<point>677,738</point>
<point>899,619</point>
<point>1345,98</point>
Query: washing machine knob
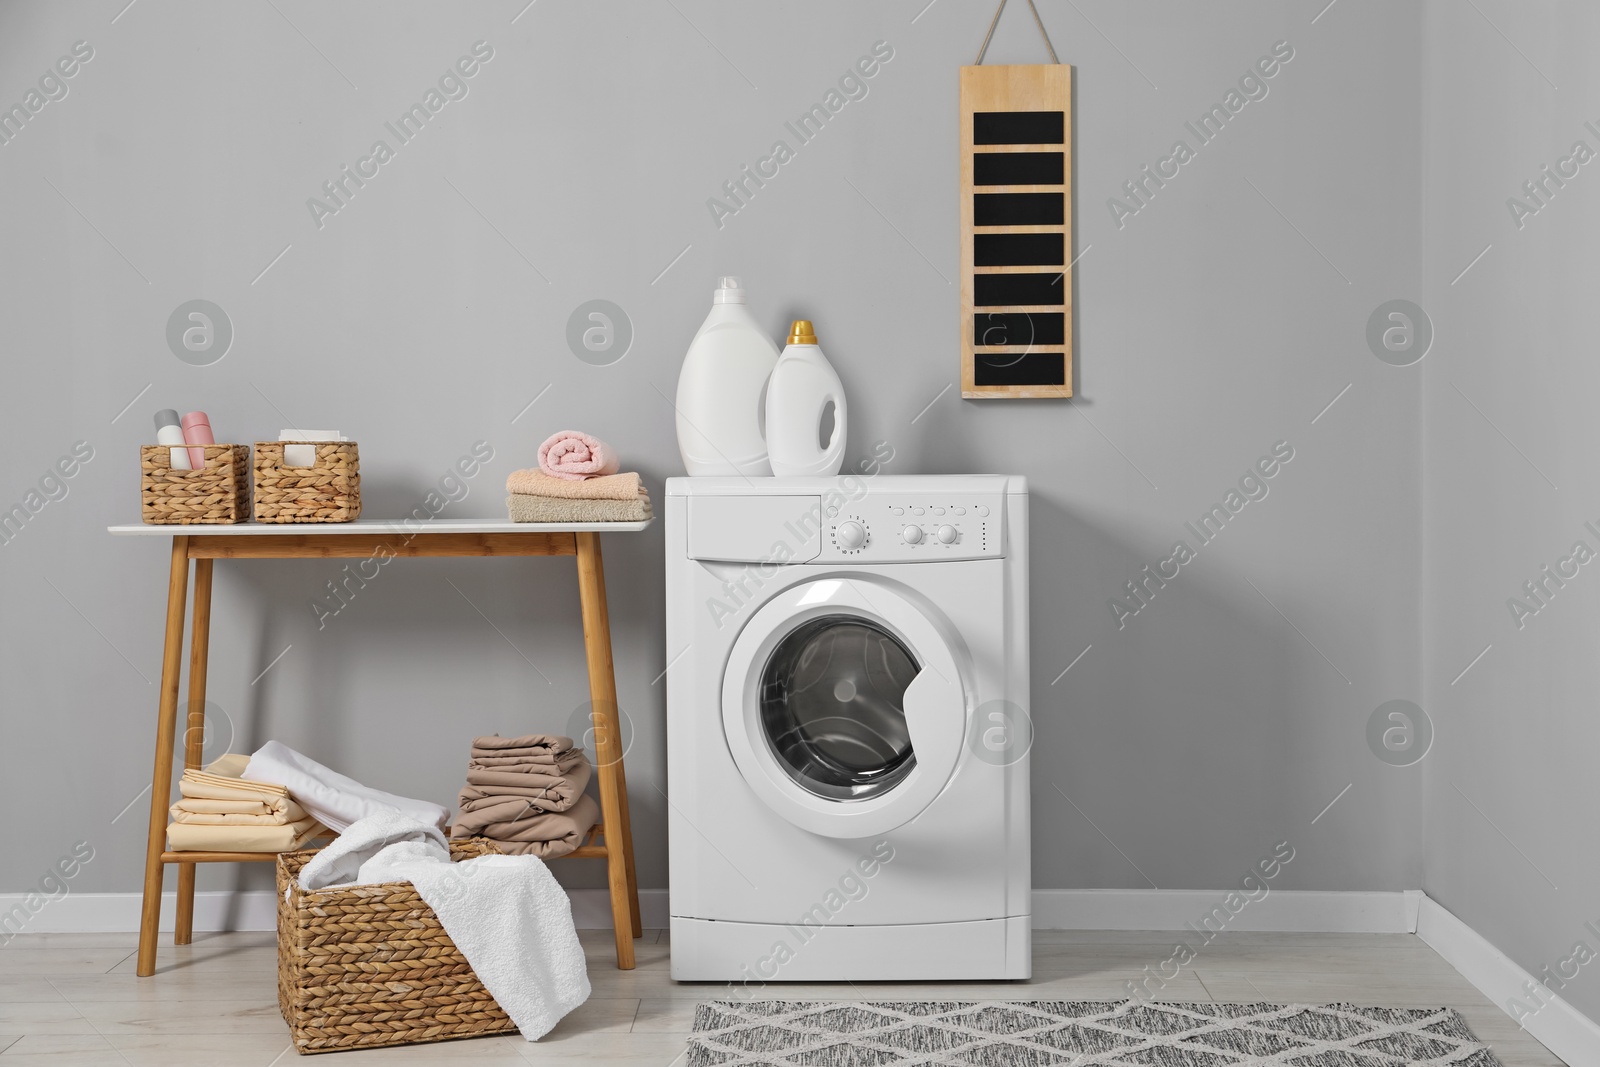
<point>852,535</point>
<point>947,535</point>
<point>912,535</point>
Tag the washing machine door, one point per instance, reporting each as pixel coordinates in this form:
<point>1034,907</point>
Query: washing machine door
<point>844,707</point>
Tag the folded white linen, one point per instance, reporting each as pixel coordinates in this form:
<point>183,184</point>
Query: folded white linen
<point>306,455</point>
<point>335,800</point>
<point>507,914</point>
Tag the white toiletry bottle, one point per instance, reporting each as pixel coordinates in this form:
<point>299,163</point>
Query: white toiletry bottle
<point>169,431</point>
<point>803,390</point>
<point>720,390</point>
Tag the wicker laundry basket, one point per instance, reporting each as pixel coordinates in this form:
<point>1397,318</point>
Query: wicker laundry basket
<point>369,966</point>
<point>327,491</point>
<point>216,494</point>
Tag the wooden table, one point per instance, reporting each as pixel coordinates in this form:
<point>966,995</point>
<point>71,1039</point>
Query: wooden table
<point>612,840</point>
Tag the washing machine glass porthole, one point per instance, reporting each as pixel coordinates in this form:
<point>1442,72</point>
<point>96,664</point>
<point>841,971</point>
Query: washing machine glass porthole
<point>833,707</point>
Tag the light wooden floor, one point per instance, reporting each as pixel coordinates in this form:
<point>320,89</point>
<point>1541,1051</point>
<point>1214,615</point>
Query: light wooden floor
<point>72,999</point>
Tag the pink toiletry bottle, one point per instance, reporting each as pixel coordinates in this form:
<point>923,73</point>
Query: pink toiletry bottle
<point>197,431</point>
<point>170,432</point>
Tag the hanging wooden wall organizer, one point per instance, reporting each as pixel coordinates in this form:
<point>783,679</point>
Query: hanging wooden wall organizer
<point>1016,229</point>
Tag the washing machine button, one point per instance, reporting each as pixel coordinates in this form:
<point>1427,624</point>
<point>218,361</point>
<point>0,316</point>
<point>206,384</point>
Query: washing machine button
<point>982,510</point>
<point>852,535</point>
<point>912,535</point>
<point>947,535</point>
<point>958,511</point>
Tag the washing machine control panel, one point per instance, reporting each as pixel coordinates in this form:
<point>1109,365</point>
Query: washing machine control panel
<point>904,528</point>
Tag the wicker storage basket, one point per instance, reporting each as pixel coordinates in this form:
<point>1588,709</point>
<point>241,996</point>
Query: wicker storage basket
<point>327,491</point>
<point>369,966</point>
<point>218,493</point>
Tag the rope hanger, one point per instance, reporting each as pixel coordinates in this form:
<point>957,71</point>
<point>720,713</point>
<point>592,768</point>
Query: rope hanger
<point>1037,21</point>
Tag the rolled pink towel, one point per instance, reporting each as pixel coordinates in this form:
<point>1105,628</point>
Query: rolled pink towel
<point>575,456</point>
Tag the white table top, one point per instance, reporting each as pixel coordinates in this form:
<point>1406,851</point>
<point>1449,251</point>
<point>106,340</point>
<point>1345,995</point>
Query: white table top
<point>379,526</point>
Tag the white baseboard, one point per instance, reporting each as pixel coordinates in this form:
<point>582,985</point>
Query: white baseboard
<point>1302,911</point>
<point>1560,1027</point>
<point>1053,909</point>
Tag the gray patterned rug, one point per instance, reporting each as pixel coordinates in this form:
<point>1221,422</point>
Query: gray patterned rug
<point>1128,1033</point>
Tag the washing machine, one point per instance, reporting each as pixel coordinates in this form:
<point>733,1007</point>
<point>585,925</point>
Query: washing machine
<point>848,728</point>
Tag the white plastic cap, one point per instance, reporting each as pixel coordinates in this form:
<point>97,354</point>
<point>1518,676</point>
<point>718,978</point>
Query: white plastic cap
<point>729,291</point>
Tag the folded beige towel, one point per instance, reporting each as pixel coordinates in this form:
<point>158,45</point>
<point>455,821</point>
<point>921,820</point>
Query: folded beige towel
<point>544,834</point>
<point>535,482</point>
<point>476,798</point>
<point>203,786</point>
<point>532,748</point>
<point>221,781</point>
<point>567,761</point>
<point>221,812</point>
<point>556,792</point>
<point>499,807</point>
<point>203,798</point>
<point>194,806</point>
<point>257,837</point>
<point>542,770</point>
<point>525,507</point>
<point>204,812</point>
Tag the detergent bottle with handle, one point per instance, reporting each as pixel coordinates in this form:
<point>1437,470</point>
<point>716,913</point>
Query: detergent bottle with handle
<point>720,390</point>
<point>806,410</point>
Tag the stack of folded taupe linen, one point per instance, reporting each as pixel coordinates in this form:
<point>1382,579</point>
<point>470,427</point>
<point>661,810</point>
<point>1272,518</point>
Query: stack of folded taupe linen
<point>526,795</point>
<point>221,812</point>
<point>540,497</point>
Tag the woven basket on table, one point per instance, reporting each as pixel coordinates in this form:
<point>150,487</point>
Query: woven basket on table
<point>368,966</point>
<point>217,494</point>
<point>327,491</point>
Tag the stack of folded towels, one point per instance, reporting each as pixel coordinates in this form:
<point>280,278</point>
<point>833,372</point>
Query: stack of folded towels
<point>576,481</point>
<point>526,794</point>
<point>276,801</point>
<point>222,812</point>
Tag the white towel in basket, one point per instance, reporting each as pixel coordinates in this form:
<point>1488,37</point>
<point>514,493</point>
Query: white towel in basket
<point>507,914</point>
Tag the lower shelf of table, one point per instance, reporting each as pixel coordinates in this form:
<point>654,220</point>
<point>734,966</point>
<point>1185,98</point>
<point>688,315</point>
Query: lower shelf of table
<point>593,847</point>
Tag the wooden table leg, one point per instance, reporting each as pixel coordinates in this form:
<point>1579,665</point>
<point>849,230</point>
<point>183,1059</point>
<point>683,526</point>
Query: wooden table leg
<point>194,737</point>
<point>627,845</point>
<point>161,779</point>
<point>608,748</point>
<point>621,765</point>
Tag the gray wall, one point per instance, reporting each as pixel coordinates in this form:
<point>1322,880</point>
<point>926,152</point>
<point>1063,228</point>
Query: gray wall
<point>1509,794</point>
<point>1220,319</point>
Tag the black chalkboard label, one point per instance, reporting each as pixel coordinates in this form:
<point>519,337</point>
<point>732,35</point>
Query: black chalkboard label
<point>1034,368</point>
<point>1018,209</point>
<point>1017,168</point>
<point>1016,329</point>
<point>1017,249</point>
<point>1017,290</point>
<point>1018,127</point>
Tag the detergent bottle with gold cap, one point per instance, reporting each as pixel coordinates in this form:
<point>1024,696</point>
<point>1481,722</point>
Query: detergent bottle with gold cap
<point>806,410</point>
